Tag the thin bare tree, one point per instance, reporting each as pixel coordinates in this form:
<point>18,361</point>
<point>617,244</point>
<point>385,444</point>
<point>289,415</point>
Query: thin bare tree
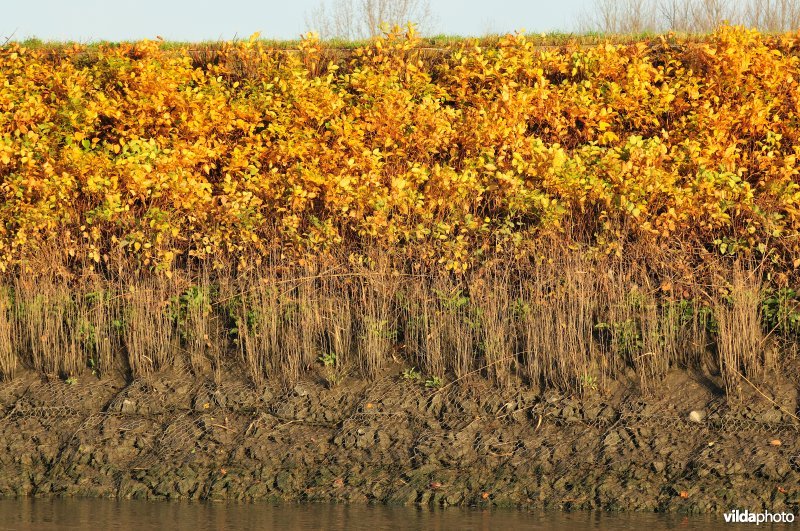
<point>773,15</point>
<point>693,16</point>
<point>676,15</point>
<point>624,16</point>
<point>708,14</point>
<point>335,21</point>
<point>361,19</point>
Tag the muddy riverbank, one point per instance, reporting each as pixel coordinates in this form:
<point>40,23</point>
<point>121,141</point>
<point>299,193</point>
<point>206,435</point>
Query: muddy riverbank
<point>394,441</point>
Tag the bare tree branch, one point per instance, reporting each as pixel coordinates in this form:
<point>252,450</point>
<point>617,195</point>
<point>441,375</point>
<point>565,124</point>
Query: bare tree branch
<point>773,15</point>
<point>625,16</point>
<point>694,16</point>
<point>360,19</point>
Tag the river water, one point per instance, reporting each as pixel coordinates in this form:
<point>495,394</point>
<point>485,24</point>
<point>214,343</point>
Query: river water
<point>100,515</point>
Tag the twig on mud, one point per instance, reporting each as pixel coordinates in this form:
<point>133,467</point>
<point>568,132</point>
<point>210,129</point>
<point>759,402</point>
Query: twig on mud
<point>495,454</point>
<point>254,424</point>
<point>479,369</point>
<point>771,401</point>
<point>15,407</point>
<point>279,426</point>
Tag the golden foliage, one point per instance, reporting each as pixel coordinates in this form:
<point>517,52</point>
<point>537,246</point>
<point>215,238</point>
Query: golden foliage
<point>140,151</point>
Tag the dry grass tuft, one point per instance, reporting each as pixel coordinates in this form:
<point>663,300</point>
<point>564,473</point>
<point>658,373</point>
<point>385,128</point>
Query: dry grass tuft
<point>561,319</point>
<point>150,338</point>
<point>556,309</point>
<point>45,312</point>
<point>8,358</point>
<point>740,338</point>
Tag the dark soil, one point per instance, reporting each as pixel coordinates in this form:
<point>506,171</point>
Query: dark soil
<point>394,441</point>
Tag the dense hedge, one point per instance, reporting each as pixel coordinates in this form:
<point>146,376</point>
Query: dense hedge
<point>132,150</point>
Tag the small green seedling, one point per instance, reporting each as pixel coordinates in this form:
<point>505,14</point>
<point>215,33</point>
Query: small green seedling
<point>328,360</point>
<point>330,368</point>
<point>589,382</point>
<point>434,382</point>
<point>412,374</point>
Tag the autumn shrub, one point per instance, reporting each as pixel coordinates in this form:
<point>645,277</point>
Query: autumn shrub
<point>663,161</point>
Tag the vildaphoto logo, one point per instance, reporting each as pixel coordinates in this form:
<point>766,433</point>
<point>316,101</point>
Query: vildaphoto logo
<point>746,517</point>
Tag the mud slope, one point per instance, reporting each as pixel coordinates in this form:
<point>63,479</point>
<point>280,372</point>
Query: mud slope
<point>394,441</point>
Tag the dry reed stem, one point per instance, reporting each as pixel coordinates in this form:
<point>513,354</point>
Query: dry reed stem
<point>8,358</point>
<point>151,340</point>
<point>740,340</point>
<point>562,319</point>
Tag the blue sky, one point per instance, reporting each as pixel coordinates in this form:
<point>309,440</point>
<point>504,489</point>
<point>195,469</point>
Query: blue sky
<point>92,20</point>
